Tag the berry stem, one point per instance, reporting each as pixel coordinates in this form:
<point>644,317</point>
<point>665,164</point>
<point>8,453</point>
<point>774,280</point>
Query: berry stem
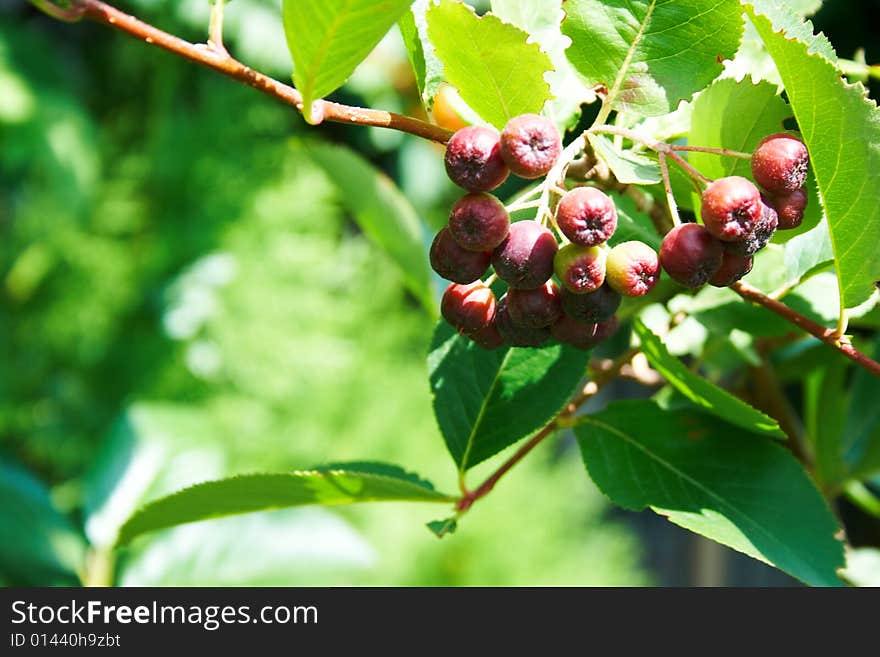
<point>826,335</point>
<point>670,197</point>
<point>561,421</point>
<point>221,62</point>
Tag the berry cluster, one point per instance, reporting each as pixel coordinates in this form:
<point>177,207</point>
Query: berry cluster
<point>578,308</point>
<point>739,218</point>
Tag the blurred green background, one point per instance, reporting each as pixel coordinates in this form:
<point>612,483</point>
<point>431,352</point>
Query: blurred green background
<point>183,295</point>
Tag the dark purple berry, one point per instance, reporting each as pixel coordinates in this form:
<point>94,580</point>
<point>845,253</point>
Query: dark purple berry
<point>478,222</point>
<point>455,263</point>
<point>473,159</point>
<point>733,267</point>
<point>591,308</point>
<point>760,236</point>
<point>780,164</point>
<point>524,260</point>
<point>632,268</point>
<point>488,337</point>
<point>468,308</point>
<point>581,269</point>
<point>790,209</point>
<point>530,145</point>
<point>536,308</point>
<point>730,208</point>
<point>587,216</point>
<point>690,255</point>
<point>583,336</point>
<point>515,335</point>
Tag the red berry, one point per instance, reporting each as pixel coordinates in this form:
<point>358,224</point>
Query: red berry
<point>790,209</point>
<point>524,260</point>
<point>536,308</point>
<point>690,255</point>
<point>760,235</point>
<point>587,216</point>
<point>581,269</point>
<point>733,267</point>
<point>780,164</point>
<point>518,336</point>
<point>731,207</point>
<point>455,263</point>
<point>473,159</point>
<point>478,222</point>
<point>632,268</point>
<point>530,145</point>
<point>591,308</point>
<point>488,337</point>
<point>468,308</point>
<point>583,336</point>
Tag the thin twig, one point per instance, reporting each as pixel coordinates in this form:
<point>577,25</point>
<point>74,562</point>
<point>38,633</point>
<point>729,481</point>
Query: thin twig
<point>105,14</point>
<point>667,185</point>
<point>826,335</point>
<point>714,151</point>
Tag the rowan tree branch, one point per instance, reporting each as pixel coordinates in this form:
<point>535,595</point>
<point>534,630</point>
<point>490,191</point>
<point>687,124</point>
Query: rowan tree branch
<point>217,59</point>
<point>826,335</point>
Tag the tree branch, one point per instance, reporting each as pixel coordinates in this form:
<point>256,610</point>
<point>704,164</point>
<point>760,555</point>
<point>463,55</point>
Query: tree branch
<point>220,61</point>
<point>826,335</point>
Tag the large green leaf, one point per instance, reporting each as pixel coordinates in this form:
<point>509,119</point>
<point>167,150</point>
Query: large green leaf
<point>261,492</point>
<point>383,213</point>
<point>705,476</point>
<point>496,70</point>
<point>701,391</point>
<point>327,39</point>
<point>841,128</point>
<point>38,546</point>
<point>650,54</point>
<point>487,400</point>
<point>861,450</point>
<point>542,19</point>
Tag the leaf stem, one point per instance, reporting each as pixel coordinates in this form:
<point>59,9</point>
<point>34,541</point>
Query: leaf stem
<point>826,335</point>
<point>667,186</point>
<point>105,14</point>
<point>215,27</point>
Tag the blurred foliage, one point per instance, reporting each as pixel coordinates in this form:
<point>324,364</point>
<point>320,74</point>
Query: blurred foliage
<point>182,296</point>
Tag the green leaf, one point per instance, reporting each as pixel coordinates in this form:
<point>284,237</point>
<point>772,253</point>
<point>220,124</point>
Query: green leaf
<point>705,476</point>
<point>632,223</point>
<point>861,449</point>
<point>327,40</point>
<point>383,213</point>
<point>628,167</point>
<point>807,254</point>
<point>441,528</point>
<point>496,72</point>
<point>427,68</point>
<point>287,547</point>
<point>488,400</point>
<point>650,55</point>
<point>543,22</point>
<point>825,406</point>
<point>38,546</point>
<point>841,128</point>
<point>261,492</point>
<point>700,391</point>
